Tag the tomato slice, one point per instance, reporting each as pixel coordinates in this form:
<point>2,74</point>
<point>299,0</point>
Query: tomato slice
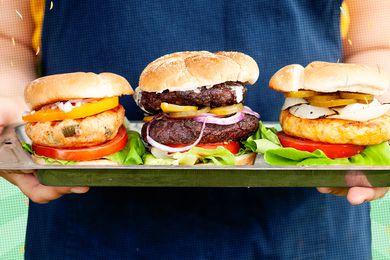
<point>232,146</point>
<point>331,150</point>
<point>85,153</point>
<point>87,109</point>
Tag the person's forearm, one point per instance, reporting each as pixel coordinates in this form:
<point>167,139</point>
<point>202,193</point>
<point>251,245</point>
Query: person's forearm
<point>16,70</point>
<point>375,57</point>
<point>17,66</point>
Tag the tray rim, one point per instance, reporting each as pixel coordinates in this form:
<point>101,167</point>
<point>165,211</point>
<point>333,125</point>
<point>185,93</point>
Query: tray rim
<point>16,135</point>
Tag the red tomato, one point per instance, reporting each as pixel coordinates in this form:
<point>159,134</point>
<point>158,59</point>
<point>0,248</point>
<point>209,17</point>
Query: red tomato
<point>232,146</point>
<point>84,153</point>
<point>331,150</point>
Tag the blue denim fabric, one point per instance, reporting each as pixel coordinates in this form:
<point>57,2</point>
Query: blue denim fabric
<point>194,223</point>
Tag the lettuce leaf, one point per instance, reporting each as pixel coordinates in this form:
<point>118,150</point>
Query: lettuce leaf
<point>131,154</point>
<point>217,156</point>
<point>265,141</point>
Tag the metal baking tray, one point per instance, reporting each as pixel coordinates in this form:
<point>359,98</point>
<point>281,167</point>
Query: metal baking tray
<point>13,157</point>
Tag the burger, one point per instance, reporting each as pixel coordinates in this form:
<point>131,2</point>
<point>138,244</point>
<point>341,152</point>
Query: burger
<point>332,107</point>
<point>76,116</point>
<point>194,107</point>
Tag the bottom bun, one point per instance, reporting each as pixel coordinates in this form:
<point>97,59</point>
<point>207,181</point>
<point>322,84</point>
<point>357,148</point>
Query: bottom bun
<point>246,159</point>
<point>41,161</point>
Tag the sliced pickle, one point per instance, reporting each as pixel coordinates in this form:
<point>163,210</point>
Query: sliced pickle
<point>300,94</point>
<point>168,108</point>
<point>228,110</point>
<point>361,98</point>
<point>189,113</point>
<point>148,118</point>
<point>325,97</point>
<point>333,103</point>
<point>71,130</point>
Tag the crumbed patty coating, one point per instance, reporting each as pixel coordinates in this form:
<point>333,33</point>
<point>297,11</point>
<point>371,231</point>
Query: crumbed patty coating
<point>337,131</point>
<point>89,131</point>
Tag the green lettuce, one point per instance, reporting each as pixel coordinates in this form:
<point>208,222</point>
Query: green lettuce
<point>265,141</point>
<point>217,156</point>
<point>131,154</point>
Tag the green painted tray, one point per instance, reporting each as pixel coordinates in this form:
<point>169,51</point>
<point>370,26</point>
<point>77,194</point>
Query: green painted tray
<point>12,157</point>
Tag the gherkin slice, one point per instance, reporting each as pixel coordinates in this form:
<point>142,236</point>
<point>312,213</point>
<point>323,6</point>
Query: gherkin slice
<point>300,94</point>
<point>188,114</point>
<point>333,103</point>
<point>325,97</point>
<point>228,110</point>
<point>168,108</point>
<point>360,97</point>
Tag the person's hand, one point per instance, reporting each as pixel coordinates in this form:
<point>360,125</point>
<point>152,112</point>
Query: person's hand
<point>11,110</point>
<point>357,195</point>
<point>28,183</point>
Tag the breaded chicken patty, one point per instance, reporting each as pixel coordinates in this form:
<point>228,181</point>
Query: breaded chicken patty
<point>337,131</point>
<point>83,132</point>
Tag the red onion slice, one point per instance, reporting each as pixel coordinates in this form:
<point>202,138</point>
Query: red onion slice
<point>249,111</point>
<point>169,149</point>
<point>221,121</point>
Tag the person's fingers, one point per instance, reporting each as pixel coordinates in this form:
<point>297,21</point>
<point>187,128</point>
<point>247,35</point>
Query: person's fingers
<point>334,191</point>
<point>358,195</point>
<point>37,192</point>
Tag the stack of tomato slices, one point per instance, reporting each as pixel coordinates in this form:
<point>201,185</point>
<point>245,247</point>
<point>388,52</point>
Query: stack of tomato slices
<point>86,109</point>
<point>333,151</point>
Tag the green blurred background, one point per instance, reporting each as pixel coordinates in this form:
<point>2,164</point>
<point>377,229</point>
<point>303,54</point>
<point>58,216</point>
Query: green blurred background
<point>13,217</point>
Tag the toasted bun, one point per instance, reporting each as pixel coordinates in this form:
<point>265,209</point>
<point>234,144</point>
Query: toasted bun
<point>189,70</point>
<point>246,159</point>
<point>331,77</point>
<point>76,85</point>
<point>98,162</point>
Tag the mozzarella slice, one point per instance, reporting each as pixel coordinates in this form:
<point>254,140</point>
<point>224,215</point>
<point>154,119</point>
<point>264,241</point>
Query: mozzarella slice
<point>310,112</point>
<point>357,107</point>
<point>290,102</point>
<point>359,113</point>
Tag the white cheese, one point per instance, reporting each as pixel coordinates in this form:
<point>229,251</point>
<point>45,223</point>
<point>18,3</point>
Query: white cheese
<point>290,102</point>
<point>362,113</point>
<point>238,92</point>
<point>310,112</point>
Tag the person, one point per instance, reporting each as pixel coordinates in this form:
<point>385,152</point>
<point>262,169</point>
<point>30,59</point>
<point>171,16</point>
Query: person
<point>193,223</point>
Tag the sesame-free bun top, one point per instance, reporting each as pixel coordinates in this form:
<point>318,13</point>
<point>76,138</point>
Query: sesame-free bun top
<point>182,71</point>
<point>77,85</point>
<point>331,77</point>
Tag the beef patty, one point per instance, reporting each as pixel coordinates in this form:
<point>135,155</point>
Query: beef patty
<point>219,95</point>
<point>170,131</point>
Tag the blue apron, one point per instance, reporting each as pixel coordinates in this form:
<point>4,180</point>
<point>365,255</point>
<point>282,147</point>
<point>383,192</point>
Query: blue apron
<point>194,223</point>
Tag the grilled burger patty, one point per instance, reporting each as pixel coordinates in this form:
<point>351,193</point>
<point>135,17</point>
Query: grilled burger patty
<point>92,130</point>
<point>337,131</point>
<point>218,96</point>
<point>170,131</point>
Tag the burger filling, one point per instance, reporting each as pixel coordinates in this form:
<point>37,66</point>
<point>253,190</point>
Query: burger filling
<point>170,131</point>
<point>82,132</point>
<point>341,105</point>
<point>212,116</point>
<point>84,129</point>
<point>224,94</point>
